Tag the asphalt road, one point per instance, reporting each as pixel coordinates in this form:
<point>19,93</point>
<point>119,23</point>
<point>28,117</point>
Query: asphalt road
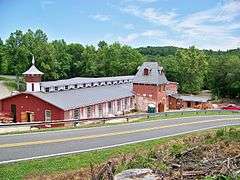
<point>46,144</point>
<point>4,91</point>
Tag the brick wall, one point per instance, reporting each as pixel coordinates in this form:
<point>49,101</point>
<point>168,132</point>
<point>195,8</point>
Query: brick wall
<point>150,94</point>
<point>29,103</point>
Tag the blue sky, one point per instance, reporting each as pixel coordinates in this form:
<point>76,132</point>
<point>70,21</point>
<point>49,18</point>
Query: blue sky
<point>207,24</point>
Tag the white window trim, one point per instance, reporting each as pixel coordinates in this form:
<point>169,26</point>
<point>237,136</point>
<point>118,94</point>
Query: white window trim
<point>47,119</point>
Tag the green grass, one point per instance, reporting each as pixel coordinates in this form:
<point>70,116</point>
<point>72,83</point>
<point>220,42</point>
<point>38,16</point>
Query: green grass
<point>187,114</point>
<point>70,162</point>
<point>11,84</point>
<point>4,79</point>
<point>66,163</point>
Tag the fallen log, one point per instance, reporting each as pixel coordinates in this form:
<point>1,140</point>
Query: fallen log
<point>193,173</point>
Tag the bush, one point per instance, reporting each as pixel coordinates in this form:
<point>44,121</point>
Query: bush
<point>220,133</point>
<point>176,149</point>
<point>231,134</point>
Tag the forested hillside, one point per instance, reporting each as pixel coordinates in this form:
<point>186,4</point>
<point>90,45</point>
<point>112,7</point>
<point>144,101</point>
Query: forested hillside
<point>196,69</point>
<point>193,69</point>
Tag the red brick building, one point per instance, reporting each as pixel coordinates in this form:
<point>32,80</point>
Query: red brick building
<point>151,87</point>
<point>76,98</point>
<point>83,98</point>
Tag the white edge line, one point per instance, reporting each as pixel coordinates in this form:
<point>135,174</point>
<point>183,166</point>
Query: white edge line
<point>122,124</point>
<point>116,145</point>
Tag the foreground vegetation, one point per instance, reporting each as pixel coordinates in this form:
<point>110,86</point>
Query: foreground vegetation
<point>141,155</point>
<point>215,70</point>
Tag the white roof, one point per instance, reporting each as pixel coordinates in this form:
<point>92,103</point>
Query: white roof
<point>190,98</point>
<point>154,77</point>
<point>81,80</point>
<point>87,96</point>
<point>33,70</point>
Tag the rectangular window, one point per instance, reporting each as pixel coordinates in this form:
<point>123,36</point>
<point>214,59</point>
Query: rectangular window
<point>48,115</point>
<point>47,89</point>
<point>32,87</point>
<point>66,87</point>
<point>110,107</point>
<point>119,105</point>
<point>56,88</point>
<point>100,110</point>
<point>89,111</point>
<point>131,102</point>
<point>125,103</point>
<point>75,86</point>
<point>76,114</point>
<point>145,72</point>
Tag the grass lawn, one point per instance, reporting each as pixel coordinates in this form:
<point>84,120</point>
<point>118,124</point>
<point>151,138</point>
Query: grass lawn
<point>68,163</point>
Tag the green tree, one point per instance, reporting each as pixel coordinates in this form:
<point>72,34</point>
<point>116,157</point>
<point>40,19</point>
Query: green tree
<point>63,59</point>
<point>90,62</point>
<point>190,69</point>
<point>76,63</point>
<point>225,76</point>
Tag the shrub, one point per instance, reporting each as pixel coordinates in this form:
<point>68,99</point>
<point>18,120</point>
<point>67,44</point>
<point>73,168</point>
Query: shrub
<point>176,149</point>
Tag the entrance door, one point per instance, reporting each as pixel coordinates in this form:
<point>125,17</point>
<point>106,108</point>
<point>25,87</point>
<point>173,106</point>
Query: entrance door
<point>14,112</point>
<point>28,117</point>
<point>160,107</point>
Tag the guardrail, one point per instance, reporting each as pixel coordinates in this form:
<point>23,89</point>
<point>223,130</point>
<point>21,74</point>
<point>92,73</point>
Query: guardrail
<point>104,119</point>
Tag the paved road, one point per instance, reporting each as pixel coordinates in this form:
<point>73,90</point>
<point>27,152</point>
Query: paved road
<point>4,91</point>
<point>45,144</point>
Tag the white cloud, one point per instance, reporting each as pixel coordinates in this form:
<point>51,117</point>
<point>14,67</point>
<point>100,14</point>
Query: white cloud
<point>100,17</point>
<point>152,15</point>
<point>130,38</point>
<point>158,17</point>
<point>212,28</point>
<point>129,26</point>
<point>153,33</point>
<point>46,3</point>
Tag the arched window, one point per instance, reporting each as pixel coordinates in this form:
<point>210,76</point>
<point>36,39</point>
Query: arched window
<point>145,72</point>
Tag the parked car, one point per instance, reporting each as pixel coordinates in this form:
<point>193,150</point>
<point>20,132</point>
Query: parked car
<point>232,107</point>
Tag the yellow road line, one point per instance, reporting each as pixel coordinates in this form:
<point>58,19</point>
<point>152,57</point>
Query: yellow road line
<point>9,145</point>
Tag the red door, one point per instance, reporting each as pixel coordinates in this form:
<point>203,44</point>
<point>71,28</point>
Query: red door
<point>160,107</point>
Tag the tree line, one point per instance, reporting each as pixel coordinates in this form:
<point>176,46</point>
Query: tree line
<point>59,60</point>
<point>193,69</point>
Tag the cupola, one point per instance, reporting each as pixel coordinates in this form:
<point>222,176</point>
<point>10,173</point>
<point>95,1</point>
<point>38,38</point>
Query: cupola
<point>33,78</point>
